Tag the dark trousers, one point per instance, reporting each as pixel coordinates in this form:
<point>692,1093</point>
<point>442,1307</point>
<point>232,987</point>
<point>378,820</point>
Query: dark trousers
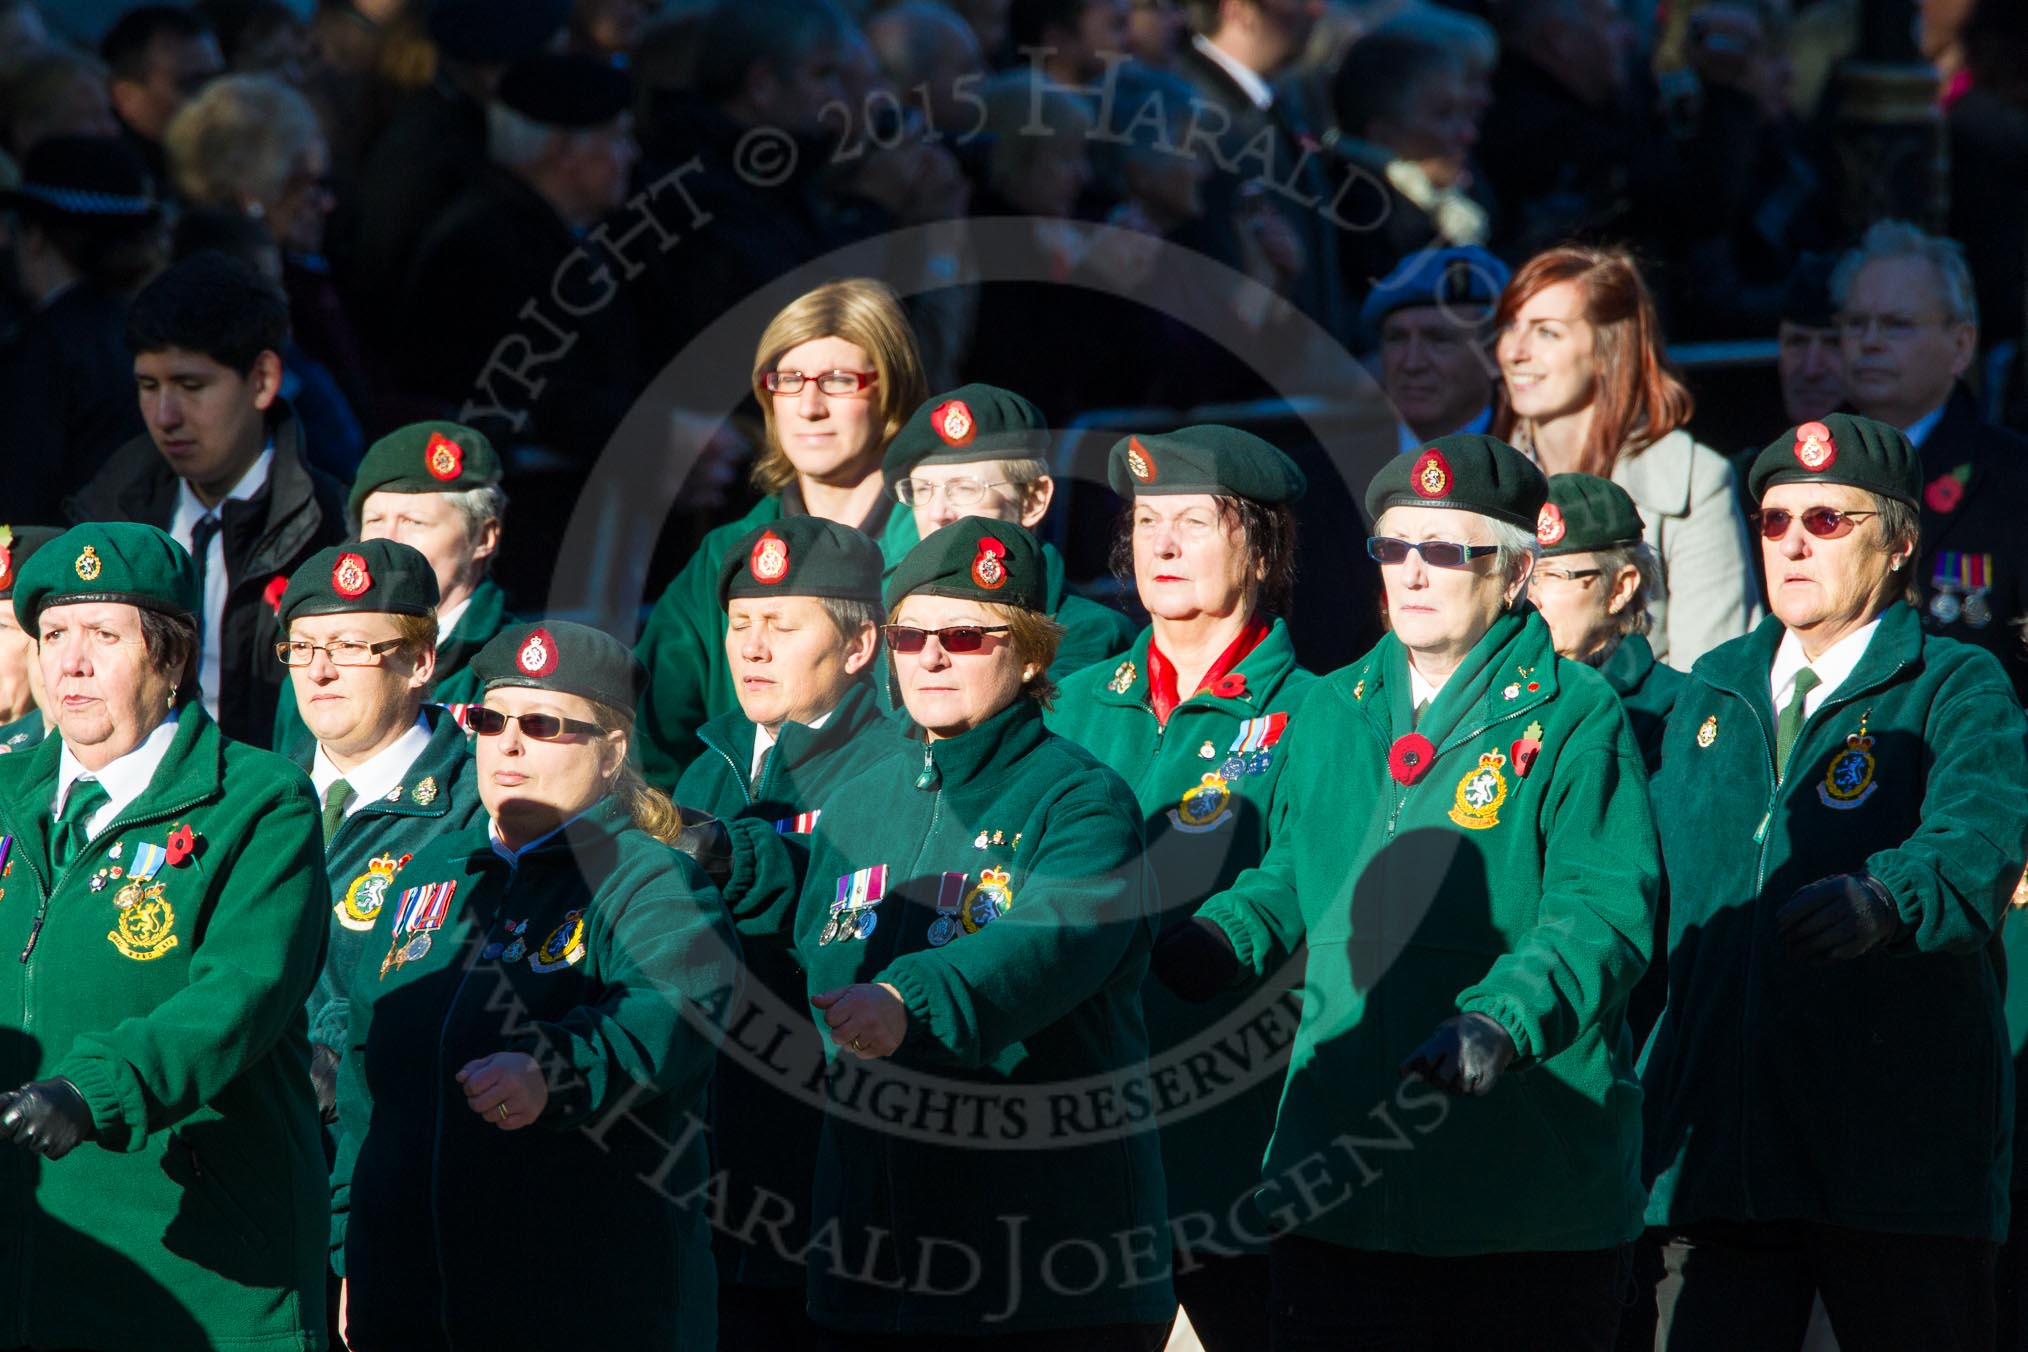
<point>1326,1298</point>
<point>1736,1287</point>
<point>764,1319</point>
<point>1227,1301</point>
<point>1109,1338</point>
<point>2010,1283</point>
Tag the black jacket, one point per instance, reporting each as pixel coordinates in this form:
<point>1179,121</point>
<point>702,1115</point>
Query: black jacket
<point>1982,529</point>
<point>300,511</point>
<point>67,384</point>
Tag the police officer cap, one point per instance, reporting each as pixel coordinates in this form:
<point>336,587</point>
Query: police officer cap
<point>108,561</point>
<point>1468,471</point>
<point>566,91</point>
<point>380,577</point>
<point>1842,449</point>
<point>1223,461</point>
<point>425,457</point>
<point>802,556</point>
<point>17,545</point>
<point>1586,513</point>
<point>84,181</point>
<point>975,559</point>
<point>966,425</point>
<point>1466,275</point>
<point>557,655</point>
<point>494,32</point>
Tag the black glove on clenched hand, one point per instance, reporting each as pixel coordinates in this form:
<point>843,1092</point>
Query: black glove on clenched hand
<point>703,838</point>
<point>1194,959</point>
<point>1464,1056</point>
<point>324,1079</point>
<point>49,1117</point>
<point>1838,917</point>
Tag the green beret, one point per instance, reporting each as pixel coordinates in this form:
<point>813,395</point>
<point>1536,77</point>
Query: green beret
<point>1842,449</point>
<point>1468,471</point>
<point>570,659</point>
<point>425,457</point>
<point>964,426</point>
<point>17,545</point>
<point>108,561</point>
<point>1210,459</point>
<point>1585,513</point>
<point>378,577</point>
<point>802,556</point>
<point>975,559</point>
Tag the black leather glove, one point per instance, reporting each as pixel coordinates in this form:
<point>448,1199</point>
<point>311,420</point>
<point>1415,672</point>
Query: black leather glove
<point>47,1116</point>
<point>703,838</point>
<point>324,1079</point>
<point>1838,917</point>
<point>1194,959</point>
<point>1464,1056</point>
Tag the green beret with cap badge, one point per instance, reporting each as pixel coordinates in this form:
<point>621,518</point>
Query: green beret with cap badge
<point>802,556</point>
<point>1841,448</point>
<point>964,426</point>
<point>378,577</point>
<point>122,561</point>
<point>564,657</point>
<point>1586,513</point>
<point>425,457</point>
<point>1468,472</point>
<point>1212,458</point>
<point>975,559</point>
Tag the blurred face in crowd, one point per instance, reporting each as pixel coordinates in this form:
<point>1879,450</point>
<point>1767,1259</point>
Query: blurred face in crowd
<point>1824,588</point>
<point>794,97</point>
<point>177,68</point>
<point>1580,602</point>
<point>356,712</point>
<point>1548,354</point>
<point>1273,32</point>
<point>1434,367</point>
<point>432,524</point>
<point>1810,362</point>
<point>612,26</point>
<point>592,168</point>
<point>789,662</point>
<point>949,693</point>
<point>530,787</point>
<point>106,693</point>
<point>1439,613</point>
<point>1100,31</point>
<point>1156,31</point>
<point>1902,350</point>
<point>1191,558</point>
<point>1436,128</point>
<point>297,216</point>
<point>1166,184</point>
<point>207,420</point>
<point>941,494</point>
<point>20,673</point>
<point>833,438</point>
<point>1055,175</point>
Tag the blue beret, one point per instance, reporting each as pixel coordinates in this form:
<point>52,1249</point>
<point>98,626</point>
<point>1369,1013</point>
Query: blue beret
<point>1467,275</point>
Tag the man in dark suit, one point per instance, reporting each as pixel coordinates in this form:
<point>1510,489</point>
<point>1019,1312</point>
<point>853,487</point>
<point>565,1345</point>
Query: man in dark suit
<point>222,470</point>
<point>1909,328</point>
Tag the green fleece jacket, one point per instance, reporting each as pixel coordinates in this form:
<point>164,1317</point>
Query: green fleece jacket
<point>767,1113</point>
<point>999,1173</point>
<point>605,955</point>
<point>1220,1063</point>
<point>168,985</point>
<point>1647,691</point>
<point>1514,878</point>
<point>1874,1093</point>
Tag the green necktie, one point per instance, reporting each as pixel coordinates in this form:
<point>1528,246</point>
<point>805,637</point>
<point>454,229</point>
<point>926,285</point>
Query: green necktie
<point>1791,721</point>
<point>86,797</point>
<point>1416,718</point>
<point>336,798</point>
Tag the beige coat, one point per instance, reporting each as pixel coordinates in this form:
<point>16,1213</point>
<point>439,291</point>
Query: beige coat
<point>1688,501</point>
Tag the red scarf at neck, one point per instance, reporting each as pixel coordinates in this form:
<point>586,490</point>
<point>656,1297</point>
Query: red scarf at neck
<point>1162,695</point>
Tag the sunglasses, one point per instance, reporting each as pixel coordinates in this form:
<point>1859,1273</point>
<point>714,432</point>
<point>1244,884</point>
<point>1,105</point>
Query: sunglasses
<point>960,638</point>
<point>537,727</point>
<point>1435,553</point>
<point>1826,523</point>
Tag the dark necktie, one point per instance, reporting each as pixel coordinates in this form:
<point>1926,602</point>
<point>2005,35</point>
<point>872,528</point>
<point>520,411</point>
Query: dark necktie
<point>1791,721</point>
<point>201,536</point>
<point>86,797</point>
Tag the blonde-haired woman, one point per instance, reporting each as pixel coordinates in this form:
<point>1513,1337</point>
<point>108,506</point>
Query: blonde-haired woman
<point>548,969</point>
<point>836,374</point>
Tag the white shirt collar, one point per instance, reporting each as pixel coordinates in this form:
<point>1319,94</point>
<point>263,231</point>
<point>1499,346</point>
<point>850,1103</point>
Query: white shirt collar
<point>1832,666</point>
<point>1918,431</point>
<point>1419,687</point>
<point>124,780</point>
<point>189,511</point>
<point>1406,440</point>
<point>381,772</point>
<point>763,740</point>
<point>513,857</point>
<point>1256,89</point>
<point>447,620</point>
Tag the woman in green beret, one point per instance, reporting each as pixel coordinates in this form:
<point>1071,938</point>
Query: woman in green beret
<point>836,373</point>
<point>1464,843</point>
<point>162,904</point>
<point>520,1105</point>
<point>1197,718</point>
<point>24,714</point>
<point>1828,1098</point>
<point>974,916</point>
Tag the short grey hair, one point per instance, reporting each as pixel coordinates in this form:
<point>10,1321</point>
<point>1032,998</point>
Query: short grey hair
<point>239,138</point>
<point>487,502</point>
<point>1634,617</point>
<point>1471,39</point>
<point>1900,525</point>
<point>1516,543</point>
<point>850,616</point>
<point>1899,239</point>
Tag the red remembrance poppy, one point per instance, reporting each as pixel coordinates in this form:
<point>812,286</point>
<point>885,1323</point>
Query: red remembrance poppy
<point>1409,759</point>
<point>1523,754</point>
<point>182,844</point>
<point>277,587</point>
<point>1232,685</point>
<point>1944,493</point>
